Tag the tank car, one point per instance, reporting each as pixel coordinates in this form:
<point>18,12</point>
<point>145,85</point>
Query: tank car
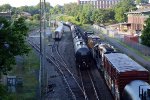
<point>82,53</point>
<point>57,35</point>
<point>136,90</point>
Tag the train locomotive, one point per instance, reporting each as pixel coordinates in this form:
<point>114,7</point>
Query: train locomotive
<point>82,52</point>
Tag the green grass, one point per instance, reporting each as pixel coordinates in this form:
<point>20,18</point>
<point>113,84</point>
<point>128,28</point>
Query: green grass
<point>27,69</point>
<point>87,27</point>
<point>134,50</point>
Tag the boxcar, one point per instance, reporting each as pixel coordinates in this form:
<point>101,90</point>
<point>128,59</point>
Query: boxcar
<point>119,70</point>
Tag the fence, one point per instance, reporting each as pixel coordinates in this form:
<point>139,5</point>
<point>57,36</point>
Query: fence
<point>139,47</point>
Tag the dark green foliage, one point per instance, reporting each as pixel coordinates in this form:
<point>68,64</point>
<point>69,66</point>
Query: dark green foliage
<point>12,42</point>
<point>36,17</point>
<point>56,10</point>
<point>146,33</point>
<point>87,14</point>
<point>101,16</point>
<point>81,13</point>
<point>30,9</point>
<point>3,93</point>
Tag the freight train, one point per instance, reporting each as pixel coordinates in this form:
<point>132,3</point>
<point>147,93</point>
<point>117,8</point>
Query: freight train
<point>126,79</point>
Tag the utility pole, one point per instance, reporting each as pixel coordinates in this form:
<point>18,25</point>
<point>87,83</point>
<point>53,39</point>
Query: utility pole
<point>41,56</point>
<point>44,48</point>
<point>42,72</point>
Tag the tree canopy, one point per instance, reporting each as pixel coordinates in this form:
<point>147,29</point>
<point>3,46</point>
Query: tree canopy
<point>145,37</point>
<point>87,14</point>
<point>5,7</point>
<point>121,8</point>
<point>12,42</point>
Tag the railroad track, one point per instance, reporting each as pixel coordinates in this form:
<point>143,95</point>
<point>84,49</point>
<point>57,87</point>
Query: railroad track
<point>88,85</point>
<point>68,77</point>
<point>86,90</point>
<point>75,87</point>
<point>103,90</point>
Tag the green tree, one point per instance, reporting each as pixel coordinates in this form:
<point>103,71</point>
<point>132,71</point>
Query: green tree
<point>3,93</point>
<point>145,37</point>
<point>71,9</point>
<point>123,7</point>
<point>120,16</point>
<point>12,42</point>
<point>5,7</point>
<point>36,17</point>
<point>138,1</point>
<point>57,10</point>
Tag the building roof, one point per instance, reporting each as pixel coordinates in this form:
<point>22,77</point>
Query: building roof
<point>139,11</point>
<point>5,14</point>
<point>123,63</point>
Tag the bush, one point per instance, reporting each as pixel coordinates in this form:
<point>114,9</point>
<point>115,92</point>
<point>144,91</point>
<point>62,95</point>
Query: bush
<point>69,19</point>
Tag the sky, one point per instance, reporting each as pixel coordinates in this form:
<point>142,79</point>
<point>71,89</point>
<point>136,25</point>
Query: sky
<point>18,3</point>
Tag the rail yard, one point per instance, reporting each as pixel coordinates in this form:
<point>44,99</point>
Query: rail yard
<point>74,60</point>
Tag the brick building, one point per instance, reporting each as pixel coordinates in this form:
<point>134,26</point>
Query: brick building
<point>102,4</point>
<point>136,18</point>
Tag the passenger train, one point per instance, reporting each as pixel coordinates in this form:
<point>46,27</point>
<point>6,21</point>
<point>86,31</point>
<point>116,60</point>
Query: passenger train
<point>58,33</point>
